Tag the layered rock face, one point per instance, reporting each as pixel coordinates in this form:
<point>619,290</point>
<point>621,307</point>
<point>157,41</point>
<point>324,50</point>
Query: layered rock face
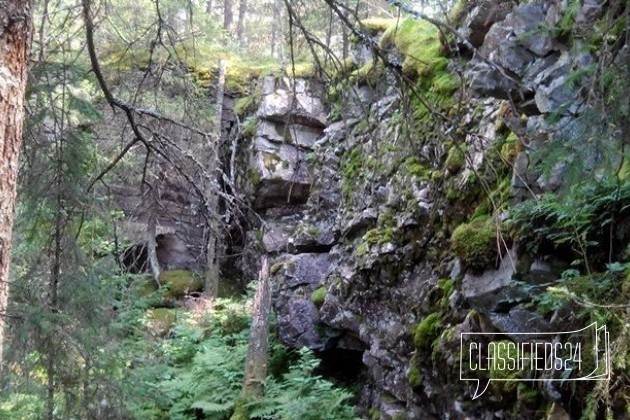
<point>382,223</point>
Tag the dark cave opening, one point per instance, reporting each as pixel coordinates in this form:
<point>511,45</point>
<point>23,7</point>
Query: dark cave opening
<point>341,365</point>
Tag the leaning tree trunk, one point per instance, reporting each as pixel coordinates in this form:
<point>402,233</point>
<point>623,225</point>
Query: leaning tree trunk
<point>257,352</point>
<point>15,37</point>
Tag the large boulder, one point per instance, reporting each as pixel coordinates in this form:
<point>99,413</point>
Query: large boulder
<point>481,17</point>
<point>493,288</point>
<point>296,101</point>
<point>295,134</point>
<point>279,173</point>
<point>294,283</point>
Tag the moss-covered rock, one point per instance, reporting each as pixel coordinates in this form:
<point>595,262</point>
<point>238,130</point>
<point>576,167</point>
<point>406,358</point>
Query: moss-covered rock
<point>419,42</point>
<point>475,243</point>
<point>510,148</point>
<point>446,286</point>
<point>374,26</point>
<point>455,159</point>
<point>368,74</point>
<point>414,166</point>
<point>303,70</point>
<point>246,105</point>
<point>178,283</point>
<point>426,331</point>
<point>503,350</point>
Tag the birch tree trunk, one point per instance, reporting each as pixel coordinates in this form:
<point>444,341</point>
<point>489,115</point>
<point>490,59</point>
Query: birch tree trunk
<point>15,37</point>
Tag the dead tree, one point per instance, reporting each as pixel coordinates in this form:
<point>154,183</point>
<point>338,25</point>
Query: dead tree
<point>257,353</point>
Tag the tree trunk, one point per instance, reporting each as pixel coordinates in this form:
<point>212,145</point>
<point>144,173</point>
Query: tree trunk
<point>154,264</point>
<point>240,28</point>
<point>257,352</point>
<point>228,16</point>
<point>211,288</point>
<point>55,275</point>
<point>256,364</point>
<point>345,40</point>
<point>276,30</point>
<point>15,37</point>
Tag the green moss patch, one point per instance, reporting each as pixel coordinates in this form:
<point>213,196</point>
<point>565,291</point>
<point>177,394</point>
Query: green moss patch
<point>425,61</point>
<point>475,243</point>
<point>319,295</point>
<point>446,286</point>
<point>178,283</point>
<point>419,42</point>
<point>368,74</point>
<point>246,105</point>
<point>413,166</point>
<point>510,148</point>
<point>415,376</point>
<point>454,160</point>
<point>301,70</point>
<point>426,331</point>
<point>503,350</point>
<point>375,26</point>
<point>250,126</point>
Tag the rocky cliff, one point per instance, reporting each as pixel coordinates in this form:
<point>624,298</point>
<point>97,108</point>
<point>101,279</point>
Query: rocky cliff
<point>385,198</point>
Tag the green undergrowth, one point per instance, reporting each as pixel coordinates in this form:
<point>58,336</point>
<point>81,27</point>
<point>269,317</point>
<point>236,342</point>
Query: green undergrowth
<point>195,366</point>
<point>579,223</point>
<point>183,363</point>
<point>583,228</point>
